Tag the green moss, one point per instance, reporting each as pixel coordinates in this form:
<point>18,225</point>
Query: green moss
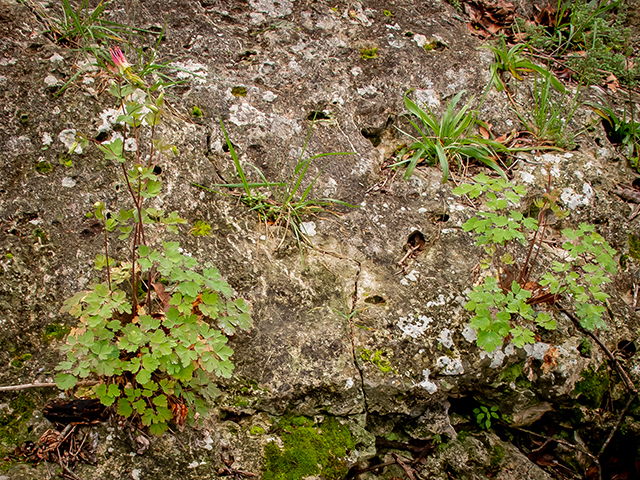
<point>308,450</point>
<point>239,91</point>
<point>379,358</point>
<point>634,246</point>
<point>496,455</point>
<point>593,386</point>
<point>585,347</point>
<point>196,112</point>
<point>367,53</point>
<point>18,362</point>
<point>12,421</point>
<point>55,331</point>
<point>257,430</point>
<point>43,168</point>
<point>240,401</point>
<point>513,374</point>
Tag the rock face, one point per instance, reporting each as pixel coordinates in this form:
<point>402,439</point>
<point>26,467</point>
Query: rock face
<point>354,332</point>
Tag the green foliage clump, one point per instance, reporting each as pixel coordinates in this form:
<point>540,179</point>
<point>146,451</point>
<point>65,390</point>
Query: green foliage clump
<point>511,61</point>
<point>509,302</point>
<point>448,139</point>
<point>200,229</point>
<point>621,131</point>
<point>155,332</point>
<point>196,112</point>
<point>593,38</point>
<point>593,386</point>
<point>308,450</point>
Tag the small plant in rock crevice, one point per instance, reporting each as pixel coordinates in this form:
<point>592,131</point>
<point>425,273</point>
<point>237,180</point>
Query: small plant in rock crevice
<point>590,36</point>
<point>448,139</point>
<point>284,202</point>
<point>156,330</point>
<point>551,114</point>
<point>510,60</point>
<point>623,132</point>
<point>513,298</point>
<point>485,415</point>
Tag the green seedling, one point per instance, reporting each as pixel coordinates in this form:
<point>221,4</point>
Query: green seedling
<point>200,229</point>
<point>485,415</point>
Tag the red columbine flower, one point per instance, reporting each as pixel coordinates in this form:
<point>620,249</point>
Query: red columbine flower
<point>119,60</point>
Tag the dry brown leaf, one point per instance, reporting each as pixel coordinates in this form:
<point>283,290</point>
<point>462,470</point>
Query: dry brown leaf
<point>612,83</point>
<point>486,134</point>
<point>550,359</point>
<point>164,297</point>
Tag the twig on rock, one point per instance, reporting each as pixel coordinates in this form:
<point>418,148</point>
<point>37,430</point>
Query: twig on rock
<point>617,425</point>
<point>15,388</point>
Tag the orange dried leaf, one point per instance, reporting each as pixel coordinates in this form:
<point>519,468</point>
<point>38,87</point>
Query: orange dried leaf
<point>550,359</point>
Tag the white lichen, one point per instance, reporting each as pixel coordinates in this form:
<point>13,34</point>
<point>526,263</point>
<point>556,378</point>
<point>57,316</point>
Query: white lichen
<point>412,327</point>
<point>450,366</point>
<point>428,385</point>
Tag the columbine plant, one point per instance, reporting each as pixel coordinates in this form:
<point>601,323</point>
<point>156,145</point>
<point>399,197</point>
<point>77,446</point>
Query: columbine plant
<point>511,299</point>
<point>156,330</point>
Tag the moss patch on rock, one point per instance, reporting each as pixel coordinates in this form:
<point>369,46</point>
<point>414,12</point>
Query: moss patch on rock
<point>634,246</point>
<point>593,386</point>
<point>12,419</point>
<point>308,449</point>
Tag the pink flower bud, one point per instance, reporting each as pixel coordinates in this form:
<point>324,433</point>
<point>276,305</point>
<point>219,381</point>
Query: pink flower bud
<point>119,60</point>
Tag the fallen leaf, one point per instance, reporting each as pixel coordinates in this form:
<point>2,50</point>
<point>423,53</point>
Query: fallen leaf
<point>612,83</point>
<point>164,297</point>
<point>486,134</point>
<point>550,359</point>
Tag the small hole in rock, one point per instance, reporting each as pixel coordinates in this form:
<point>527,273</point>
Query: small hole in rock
<point>374,135</point>
<point>415,241</point>
<point>439,217</point>
<point>225,147</point>
<point>636,184</point>
<point>157,170</point>
<point>375,300</point>
<point>626,348</point>
<point>317,115</point>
